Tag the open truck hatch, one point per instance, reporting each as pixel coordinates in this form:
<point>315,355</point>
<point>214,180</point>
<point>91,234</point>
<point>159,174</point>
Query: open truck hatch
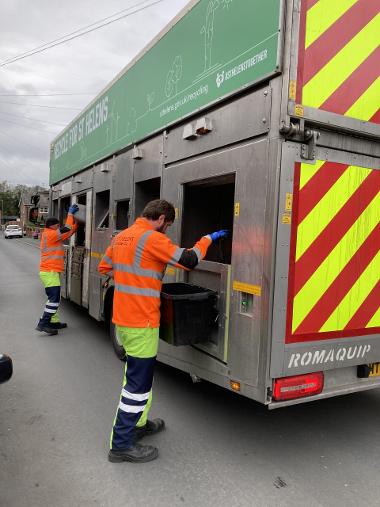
<point>208,206</point>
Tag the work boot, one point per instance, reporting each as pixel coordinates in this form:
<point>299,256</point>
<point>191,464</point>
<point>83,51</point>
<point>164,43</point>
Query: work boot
<point>136,454</point>
<point>151,428</point>
<point>46,329</point>
<point>58,325</point>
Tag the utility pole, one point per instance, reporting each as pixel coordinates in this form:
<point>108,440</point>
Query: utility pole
<point>2,211</point>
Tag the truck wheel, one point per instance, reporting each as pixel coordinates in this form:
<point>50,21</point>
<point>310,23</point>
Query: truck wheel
<point>117,346</point>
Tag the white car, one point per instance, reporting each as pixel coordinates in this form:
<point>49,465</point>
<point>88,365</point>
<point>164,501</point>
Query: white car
<point>13,231</point>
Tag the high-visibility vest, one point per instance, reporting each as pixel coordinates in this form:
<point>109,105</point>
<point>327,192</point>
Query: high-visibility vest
<point>52,252</point>
<point>137,258</point>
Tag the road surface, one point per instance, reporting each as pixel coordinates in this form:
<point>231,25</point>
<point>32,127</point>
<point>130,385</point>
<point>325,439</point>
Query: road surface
<point>219,449</point>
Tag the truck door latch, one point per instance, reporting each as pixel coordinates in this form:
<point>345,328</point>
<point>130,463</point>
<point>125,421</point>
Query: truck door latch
<point>308,150</point>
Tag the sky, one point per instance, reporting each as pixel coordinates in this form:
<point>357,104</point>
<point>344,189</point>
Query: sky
<point>41,94</point>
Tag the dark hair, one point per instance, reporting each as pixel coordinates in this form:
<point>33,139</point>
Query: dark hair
<point>154,209</point>
<point>51,221</point>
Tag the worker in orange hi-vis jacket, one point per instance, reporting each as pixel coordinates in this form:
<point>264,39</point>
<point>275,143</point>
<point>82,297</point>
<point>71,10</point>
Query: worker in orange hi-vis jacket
<point>51,265</point>
<point>137,259</point>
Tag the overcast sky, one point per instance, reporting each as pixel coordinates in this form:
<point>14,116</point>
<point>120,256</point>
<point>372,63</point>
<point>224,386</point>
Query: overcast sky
<point>82,66</point>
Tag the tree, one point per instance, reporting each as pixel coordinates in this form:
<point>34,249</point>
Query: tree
<point>10,197</point>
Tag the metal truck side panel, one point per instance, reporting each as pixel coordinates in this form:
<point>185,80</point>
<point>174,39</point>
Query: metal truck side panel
<point>249,116</point>
<point>148,160</point>
<point>83,181</point>
<point>122,183</point>
<point>248,161</point>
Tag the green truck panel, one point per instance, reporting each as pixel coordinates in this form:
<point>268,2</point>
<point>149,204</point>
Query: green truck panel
<point>196,63</point>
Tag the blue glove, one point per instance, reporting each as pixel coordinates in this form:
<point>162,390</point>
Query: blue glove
<point>219,235</point>
<point>74,208</point>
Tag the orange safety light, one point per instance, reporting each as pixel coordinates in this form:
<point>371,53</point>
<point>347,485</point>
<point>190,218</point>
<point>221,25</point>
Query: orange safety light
<point>298,386</point>
<point>235,385</point>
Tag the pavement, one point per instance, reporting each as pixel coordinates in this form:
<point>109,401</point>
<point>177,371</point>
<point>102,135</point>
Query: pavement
<point>219,449</point>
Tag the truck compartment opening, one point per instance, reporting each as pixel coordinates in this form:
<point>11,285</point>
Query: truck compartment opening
<point>122,215</point>
<point>80,235</point>
<point>209,206</point>
<point>102,209</point>
<point>146,191</point>
<point>64,208</point>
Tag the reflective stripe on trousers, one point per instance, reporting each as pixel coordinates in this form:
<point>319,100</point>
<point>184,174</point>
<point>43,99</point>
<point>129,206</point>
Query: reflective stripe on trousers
<point>141,347</point>
<point>134,398</point>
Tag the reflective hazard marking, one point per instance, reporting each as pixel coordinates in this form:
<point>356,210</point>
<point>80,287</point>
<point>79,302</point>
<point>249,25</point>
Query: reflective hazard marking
<point>246,287</point>
<point>340,57</point>
<point>334,283</point>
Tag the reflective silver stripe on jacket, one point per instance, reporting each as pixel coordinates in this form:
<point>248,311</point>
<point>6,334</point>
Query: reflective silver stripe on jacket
<point>140,248</point>
<point>107,259</point>
<point>136,291</point>
<point>45,257</point>
<point>198,253</point>
<point>52,249</point>
<point>131,269</point>
<point>176,256</point>
<point>135,268</point>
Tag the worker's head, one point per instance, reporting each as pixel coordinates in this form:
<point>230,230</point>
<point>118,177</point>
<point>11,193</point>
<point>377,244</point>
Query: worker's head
<point>160,213</point>
<point>52,223</point>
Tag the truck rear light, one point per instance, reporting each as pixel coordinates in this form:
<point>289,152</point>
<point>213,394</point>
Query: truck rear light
<point>289,388</point>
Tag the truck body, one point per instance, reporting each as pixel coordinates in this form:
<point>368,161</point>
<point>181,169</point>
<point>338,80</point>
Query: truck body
<point>261,117</point>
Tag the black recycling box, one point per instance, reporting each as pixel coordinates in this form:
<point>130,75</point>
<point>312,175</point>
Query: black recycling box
<point>188,313</point>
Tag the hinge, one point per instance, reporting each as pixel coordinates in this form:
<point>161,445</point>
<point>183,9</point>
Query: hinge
<point>298,133</point>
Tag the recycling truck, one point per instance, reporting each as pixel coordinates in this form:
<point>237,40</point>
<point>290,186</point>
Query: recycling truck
<point>261,117</point>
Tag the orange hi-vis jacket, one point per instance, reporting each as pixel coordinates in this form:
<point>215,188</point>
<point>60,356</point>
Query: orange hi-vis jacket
<point>52,252</point>
<point>137,258</point>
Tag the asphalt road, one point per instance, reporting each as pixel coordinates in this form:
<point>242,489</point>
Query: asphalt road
<point>219,449</point>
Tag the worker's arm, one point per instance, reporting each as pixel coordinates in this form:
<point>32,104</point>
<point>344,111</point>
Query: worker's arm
<point>105,266</point>
<point>190,257</point>
<point>185,258</point>
<point>68,229</point>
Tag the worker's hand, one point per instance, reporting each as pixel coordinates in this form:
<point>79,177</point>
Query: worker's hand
<point>74,208</point>
<point>224,233</point>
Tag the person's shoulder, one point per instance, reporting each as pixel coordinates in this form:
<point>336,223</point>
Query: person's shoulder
<point>158,236</point>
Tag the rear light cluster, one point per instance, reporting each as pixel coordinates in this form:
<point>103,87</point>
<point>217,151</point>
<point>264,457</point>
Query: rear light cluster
<point>298,386</point>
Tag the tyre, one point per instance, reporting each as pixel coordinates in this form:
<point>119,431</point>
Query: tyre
<point>117,346</point>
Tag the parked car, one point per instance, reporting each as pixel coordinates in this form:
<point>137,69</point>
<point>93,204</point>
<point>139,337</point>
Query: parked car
<point>6,368</point>
<point>13,231</point>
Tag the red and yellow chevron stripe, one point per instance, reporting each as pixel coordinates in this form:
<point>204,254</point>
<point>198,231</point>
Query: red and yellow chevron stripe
<point>334,271</point>
<point>339,57</point>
